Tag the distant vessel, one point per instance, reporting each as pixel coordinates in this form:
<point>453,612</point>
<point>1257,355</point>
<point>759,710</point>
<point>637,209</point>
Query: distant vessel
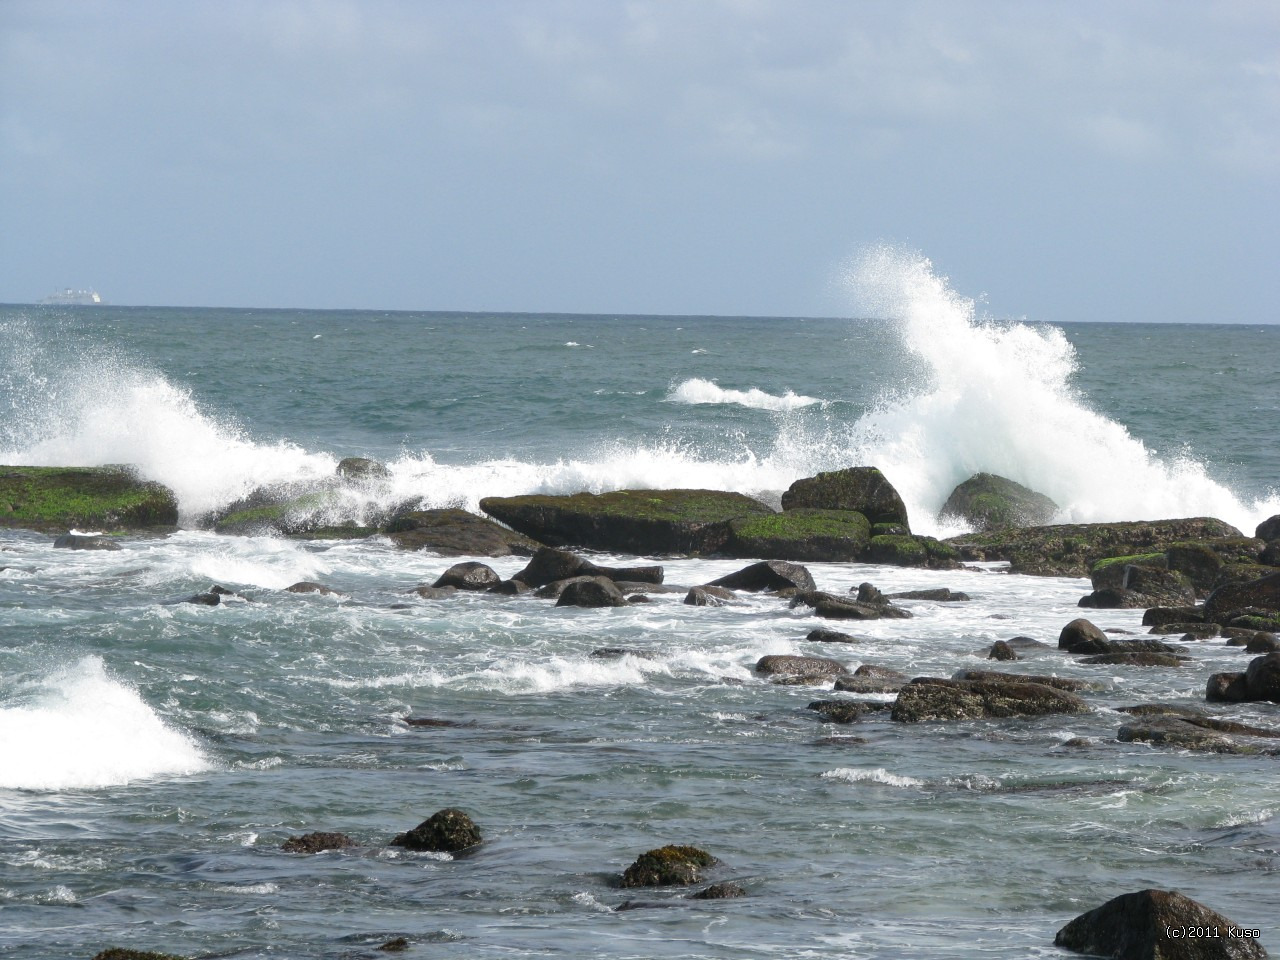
<point>73,298</point>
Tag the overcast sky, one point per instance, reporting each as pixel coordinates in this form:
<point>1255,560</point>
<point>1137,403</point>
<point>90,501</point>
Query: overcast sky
<point>1079,160</point>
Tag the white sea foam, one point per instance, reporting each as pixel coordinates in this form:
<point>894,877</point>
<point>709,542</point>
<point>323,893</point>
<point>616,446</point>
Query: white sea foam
<point>698,390</point>
<point>876,775</point>
<point>79,728</point>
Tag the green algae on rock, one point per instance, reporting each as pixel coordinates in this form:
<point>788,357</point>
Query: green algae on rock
<point>55,499</point>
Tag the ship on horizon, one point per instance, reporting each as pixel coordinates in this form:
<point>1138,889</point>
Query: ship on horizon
<point>73,298</point>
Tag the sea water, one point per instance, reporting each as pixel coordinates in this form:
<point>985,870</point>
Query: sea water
<point>155,754</point>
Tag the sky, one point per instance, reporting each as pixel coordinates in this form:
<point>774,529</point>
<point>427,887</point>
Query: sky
<point>1083,160</point>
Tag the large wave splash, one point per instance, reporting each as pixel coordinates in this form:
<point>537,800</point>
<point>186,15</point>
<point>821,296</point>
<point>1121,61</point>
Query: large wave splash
<point>997,397</point>
<point>81,729</point>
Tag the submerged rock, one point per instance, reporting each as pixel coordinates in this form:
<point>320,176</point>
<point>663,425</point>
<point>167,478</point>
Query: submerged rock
<point>310,586</point>
<point>317,842</point>
<point>1158,925</point>
<point>667,866</point>
<point>83,541</point>
<point>989,502</point>
<point>446,831</point>
<point>719,891</point>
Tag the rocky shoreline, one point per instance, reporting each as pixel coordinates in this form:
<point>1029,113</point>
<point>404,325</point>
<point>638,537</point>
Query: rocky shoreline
<point>1197,579</point>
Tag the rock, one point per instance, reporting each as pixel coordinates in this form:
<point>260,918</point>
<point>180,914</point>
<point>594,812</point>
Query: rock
<point>842,608</point>
<point>310,586</point>
<point>830,636</point>
<point>1263,643</point>
<point>1199,562</point>
<point>1262,593</point>
<point>819,536</point>
<point>469,575</point>
<point>394,945</point>
<point>709,596</point>
<point>592,592</point>
<point>550,565</point>
<point>617,653</point>
<point>940,595</point>
<point>1140,585</point>
<point>1058,683</point>
<point>989,502</point>
<point>808,668</point>
<point>719,891</point>
<point>123,953</point>
<point>1269,529</point>
<point>1226,688</point>
<point>863,490</point>
<point>317,843</point>
<point>638,522</point>
<point>1199,719</point>
<point>911,551</point>
<point>880,673</point>
<point>361,470</point>
<point>206,599</point>
<point>1262,678</point>
<point>1137,659</point>
<point>57,499</point>
<point>868,685</point>
<point>768,575</point>
<point>511,588</point>
<point>667,866</point>
<point>455,533</point>
<point>838,711</point>
<point>434,593</point>
<point>82,541</point>
<point>446,831</point>
<point>1157,925</point>
<point>1071,550</point>
<point>929,699</point>
<point>1082,636</point>
<point>1110,572</point>
<point>1000,650</point>
<point>312,511</point>
<point>1158,616</point>
<point>1192,631</point>
<point>1027,644</point>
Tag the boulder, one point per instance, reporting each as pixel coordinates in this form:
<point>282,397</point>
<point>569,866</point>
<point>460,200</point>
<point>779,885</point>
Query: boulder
<point>1071,550</point>
<point>1262,678</point>
<point>667,866</point>
<point>469,575</point>
<point>830,636</point>
<point>833,607</point>
<point>1136,659</point>
<point>768,575</point>
<point>310,586</point>
<point>1058,683</point>
<point>1269,529</point>
<point>719,891</point>
<point>434,593</point>
<point>1262,593</point>
<point>83,541</point>
<point>826,536</point>
<point>808,668</point>
<point>864,490</point>
<point>911,551</point>
<point>865,684</point>
<point>638,522</point>
<point>1159,616</point>
<point>939,595</point>
<point>1082,636</point>
<point>989,502</point>
<point>549,565</point>
<point>1111,571</point>
<point>317,843</point>
<point>1000,650</point>
<point>709,596</point>
<point>455,533</point>
<point>592,592</point>
<point>361,470</point>
<point>932,699</point>
<point>1226,688</point>
<point>445,831</point>
<point>1158,925</point>
<point>839,711</point>
<point>58,499</point>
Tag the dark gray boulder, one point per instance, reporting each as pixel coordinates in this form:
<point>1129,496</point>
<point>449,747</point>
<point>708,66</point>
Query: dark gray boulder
<point>361,469</point>
<point>84,541</point>
<point>768,575</point>
<point>864,490</point>
<point>1262,594</point>
<point>1082,636</point>
<point>709,596</point>
<point>549,565</point>
<point>808,668</point>
<point>1158,925</point>
<point>592,592</point>
<point>1269,529</point>
<point>455,533</point>
<point>935,699</point>
<point>317,842</point>
<point>445,831</point>
<point>469,575</point>
<point>672,865</point>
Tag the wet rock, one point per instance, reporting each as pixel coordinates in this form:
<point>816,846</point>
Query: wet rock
<point>1195,631</point>
<point>842,741</point>
<point>1159,616</point>
<point>310,586</point>
<point>206,599</point>
<point>1082,636</point>
<point>58,499</point>
<point>361,469</point>
<point>838,711</point>
<point>1198,719</point>
<point>592,592</point>
<point>1136,660</point>
<point>1262,678</point>
<point>864,490</point>
<point>84,541</point>
<point>317,842</point>
<point>434,593</point>
<point>635,522</point>
<point>470,575</point>
<point>1157,925</point>
<point>1226,688</point>
<point>989,502</point>
<point>834,607</point>
<point>510,588</point>
<point>911,551</point>
<point>617,653</point>
<point>767,575</point>
<point>1263,643</point>
<point>1058,683</point>
<point>709,596</point>
<point>549,565</point>
<point>931,699</point>
<point>1262,593</point>
<point>868,685</point>
<point>1000,650</point>
<point>880,673</point>
<point>446,831</point>
<point>394,946</point>
<point>1269,529</point>
<point>719,891</point>
<point>830,636</point>
<point>668,866</point>
<point>436,722</point>
<point>805,535</point>
<point>787,665</point>
<point>941,595</point>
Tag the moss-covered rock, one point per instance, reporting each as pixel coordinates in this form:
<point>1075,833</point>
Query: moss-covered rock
<point>927,699</point>
<point>989,502</point>
<point>55,499</point>
<point>1071,550</point>
<point>639,522</point>
<point>456,533</point>
<point>863,490</point>
<point>445,831</point>
<point>911,551</point>
<point>672,865</point>
<point>826,536</point>
<point>1256,597</point>
<point>1109,572</point>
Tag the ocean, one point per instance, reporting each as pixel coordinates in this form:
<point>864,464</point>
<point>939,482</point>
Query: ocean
<point>155,754</point>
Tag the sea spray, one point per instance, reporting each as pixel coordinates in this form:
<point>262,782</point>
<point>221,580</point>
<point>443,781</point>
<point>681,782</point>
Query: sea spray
<point>998,397</point>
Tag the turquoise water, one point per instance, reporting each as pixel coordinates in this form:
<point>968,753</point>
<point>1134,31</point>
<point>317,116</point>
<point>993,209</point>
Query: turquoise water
<point>154,755</point>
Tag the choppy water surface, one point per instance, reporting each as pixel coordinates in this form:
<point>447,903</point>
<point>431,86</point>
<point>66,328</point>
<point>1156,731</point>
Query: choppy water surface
<point>154,755</point>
